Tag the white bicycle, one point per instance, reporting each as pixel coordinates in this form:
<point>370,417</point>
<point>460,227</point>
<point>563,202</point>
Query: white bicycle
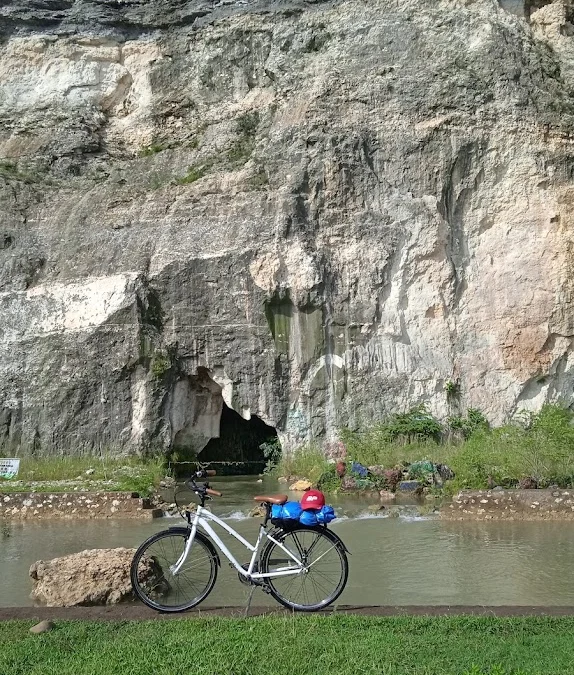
<point>303,568</point>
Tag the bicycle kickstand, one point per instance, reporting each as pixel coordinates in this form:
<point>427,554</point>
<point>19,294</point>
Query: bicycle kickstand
<point>252,590</point>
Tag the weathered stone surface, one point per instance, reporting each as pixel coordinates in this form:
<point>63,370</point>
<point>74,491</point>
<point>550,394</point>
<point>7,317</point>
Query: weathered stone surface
<point>510,505</point>
<point>94,577</point>
<point>317,212</point>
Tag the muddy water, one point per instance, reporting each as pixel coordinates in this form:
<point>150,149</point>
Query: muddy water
<point>398,560</point>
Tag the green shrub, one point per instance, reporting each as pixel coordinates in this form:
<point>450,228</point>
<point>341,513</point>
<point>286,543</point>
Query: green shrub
<point>474,421</point>
<point>306,462</point>
<point>160,364</point>
<point>538,445</point>
<point>271,450</point>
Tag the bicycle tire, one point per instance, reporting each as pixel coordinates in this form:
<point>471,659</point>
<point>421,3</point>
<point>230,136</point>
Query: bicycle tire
<point>162,550</point>
<point>320,542</point>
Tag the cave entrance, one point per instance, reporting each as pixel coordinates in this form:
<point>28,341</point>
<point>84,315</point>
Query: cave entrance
<point>239,443</point>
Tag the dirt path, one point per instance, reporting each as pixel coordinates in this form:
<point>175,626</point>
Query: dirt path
<point>140,613</point>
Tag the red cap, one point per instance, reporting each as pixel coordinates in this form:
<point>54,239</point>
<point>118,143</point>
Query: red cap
<point>313,499</point>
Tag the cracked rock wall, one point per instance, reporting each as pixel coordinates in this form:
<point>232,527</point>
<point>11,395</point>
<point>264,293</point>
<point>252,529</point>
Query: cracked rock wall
<point>317,212</point>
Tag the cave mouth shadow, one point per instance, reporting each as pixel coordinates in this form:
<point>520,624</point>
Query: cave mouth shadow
<point>239,444</point>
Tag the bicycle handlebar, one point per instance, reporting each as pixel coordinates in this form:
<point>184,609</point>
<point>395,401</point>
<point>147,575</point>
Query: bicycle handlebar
<point>205,473</point>
<point>203,489</point>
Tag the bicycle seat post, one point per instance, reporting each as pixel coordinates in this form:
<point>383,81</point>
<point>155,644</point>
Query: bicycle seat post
<point>267,514</point>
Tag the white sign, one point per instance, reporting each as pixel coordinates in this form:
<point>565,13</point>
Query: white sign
<point>9,467</point>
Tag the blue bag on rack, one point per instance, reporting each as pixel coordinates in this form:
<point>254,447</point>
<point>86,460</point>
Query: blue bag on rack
<point>308,518</point>
<point>291,513</point>
<point>326,515</point>
<point>311,517</point>
<point>288,513</point>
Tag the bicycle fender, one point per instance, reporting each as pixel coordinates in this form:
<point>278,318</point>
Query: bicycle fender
<point>185,531</point>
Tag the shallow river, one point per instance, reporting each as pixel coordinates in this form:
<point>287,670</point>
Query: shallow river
<point>400,560</point>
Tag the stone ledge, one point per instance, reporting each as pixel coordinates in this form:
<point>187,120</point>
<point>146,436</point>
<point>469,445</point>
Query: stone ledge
<point>72,505</point>
<point>510,505</point>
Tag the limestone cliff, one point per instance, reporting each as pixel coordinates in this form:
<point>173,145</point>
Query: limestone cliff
<point>317,212</point>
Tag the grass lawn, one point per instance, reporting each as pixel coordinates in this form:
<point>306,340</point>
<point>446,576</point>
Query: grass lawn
<point>63,473</point>
<point>294,646</point>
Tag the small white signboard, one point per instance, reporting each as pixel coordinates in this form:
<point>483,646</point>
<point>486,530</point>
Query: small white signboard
<point>9,467</point>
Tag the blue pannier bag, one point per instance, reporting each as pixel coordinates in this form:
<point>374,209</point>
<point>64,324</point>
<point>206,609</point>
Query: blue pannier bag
<point>308,518</point>
<point>326,515</point>
<point>286,514</point>
<point>291,511</point>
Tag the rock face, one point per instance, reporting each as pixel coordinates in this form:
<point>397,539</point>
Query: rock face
<point>95,577</point>
<point>314,212</point>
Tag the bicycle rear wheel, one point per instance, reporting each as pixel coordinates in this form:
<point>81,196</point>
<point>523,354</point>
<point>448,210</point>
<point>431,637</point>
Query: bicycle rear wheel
<point>154,583</point>
<point>326,568</point>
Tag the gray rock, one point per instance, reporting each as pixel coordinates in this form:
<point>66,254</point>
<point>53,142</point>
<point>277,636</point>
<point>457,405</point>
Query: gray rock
<point>349,483</point>
<point>291,209</point>
<point>377,470</point>
<point>91,577</point>
<point>42,627</point>
<point>409,485</point>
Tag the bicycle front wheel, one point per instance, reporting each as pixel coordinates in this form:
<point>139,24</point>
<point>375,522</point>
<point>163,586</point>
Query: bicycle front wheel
<point>325,568</point>
<point>158,587</point>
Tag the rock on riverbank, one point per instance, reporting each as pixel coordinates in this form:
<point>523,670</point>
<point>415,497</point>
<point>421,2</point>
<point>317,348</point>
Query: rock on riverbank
<point>76,505</point>
<point>511,505</point>
<point>96,577</point>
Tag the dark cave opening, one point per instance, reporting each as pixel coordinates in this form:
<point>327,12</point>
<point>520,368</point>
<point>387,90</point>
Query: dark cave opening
<point>239,444</point>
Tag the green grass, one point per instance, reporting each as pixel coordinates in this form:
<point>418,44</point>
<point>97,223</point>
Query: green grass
<point>126,474</point>
<point>306,462</point>
<point>294,646</point>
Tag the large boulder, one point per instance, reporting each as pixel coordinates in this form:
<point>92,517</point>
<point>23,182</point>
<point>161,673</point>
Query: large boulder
<point>301,486</point>
<point>92,577</point>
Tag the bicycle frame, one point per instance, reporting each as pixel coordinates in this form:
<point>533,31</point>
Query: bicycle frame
<point>201,518</point>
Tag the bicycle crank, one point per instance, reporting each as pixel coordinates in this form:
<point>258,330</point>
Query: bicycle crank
<point>253,582</point>
<point>246,580</point>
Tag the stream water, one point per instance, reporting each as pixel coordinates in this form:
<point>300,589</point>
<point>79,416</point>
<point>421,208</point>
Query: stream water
<point>402,560</point>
